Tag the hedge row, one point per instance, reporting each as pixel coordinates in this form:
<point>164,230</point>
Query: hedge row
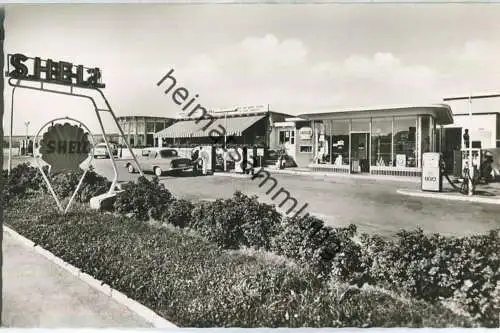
<point>194,283</point>
<point>25,180</point>
<point>462,271</point>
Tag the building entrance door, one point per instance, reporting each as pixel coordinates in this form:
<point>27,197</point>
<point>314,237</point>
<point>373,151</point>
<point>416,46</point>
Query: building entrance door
<point>360,152</point>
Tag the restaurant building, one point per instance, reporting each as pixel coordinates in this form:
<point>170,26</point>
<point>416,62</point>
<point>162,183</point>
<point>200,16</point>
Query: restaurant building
<point>251,126</point>
<point>378,140</point>
<point>140,130</point>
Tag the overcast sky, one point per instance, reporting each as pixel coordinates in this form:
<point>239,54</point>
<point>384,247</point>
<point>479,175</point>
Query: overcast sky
<point>297,58</point>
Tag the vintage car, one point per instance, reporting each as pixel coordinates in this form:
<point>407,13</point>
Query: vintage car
<point>161,161</point>
<point>101,150</point>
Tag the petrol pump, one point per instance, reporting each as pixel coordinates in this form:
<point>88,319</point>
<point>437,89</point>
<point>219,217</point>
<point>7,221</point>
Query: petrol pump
<point>432,174</point>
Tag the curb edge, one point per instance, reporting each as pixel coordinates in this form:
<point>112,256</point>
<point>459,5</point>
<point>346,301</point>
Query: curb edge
<point>141,310</point>
<point>450,197</point>
<point>322,174</point>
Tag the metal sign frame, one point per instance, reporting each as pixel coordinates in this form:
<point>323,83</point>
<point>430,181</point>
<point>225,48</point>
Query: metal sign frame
<point>36,157</point>
<point>16,83</point>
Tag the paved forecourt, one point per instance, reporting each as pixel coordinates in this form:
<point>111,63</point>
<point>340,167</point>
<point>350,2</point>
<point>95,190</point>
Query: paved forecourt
<point>372,203</point>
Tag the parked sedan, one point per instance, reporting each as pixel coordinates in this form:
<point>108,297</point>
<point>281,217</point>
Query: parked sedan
<point>101,150</point>
<point>160,161</point>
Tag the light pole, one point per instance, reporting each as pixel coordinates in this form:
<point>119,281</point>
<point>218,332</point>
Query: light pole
<point>469,98</point>
<point>225,141</point>
<point>27,124</point>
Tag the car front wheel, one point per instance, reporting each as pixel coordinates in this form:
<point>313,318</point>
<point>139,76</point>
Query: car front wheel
<point>130,168</point>
<point>158,171</point>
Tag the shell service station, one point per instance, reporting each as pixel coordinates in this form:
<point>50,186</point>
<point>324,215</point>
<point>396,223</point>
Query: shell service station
<point>378,140</point>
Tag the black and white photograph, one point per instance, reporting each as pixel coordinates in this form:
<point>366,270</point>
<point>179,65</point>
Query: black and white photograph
<point>250,165</point>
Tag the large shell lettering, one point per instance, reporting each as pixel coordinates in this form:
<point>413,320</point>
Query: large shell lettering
<point>65,147</point>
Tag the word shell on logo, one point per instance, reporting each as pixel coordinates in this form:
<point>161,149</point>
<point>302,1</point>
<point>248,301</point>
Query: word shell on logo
<point>65,147</point>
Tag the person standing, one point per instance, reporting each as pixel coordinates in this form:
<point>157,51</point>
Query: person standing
<point>466,138</point>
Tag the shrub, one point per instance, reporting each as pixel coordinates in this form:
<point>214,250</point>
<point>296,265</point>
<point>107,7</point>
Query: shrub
<point>236,222</point>
<point>22,181</point>
<point>144,199</point>
<point>193,283</point>
<point>179,213</point>
<point>432,267</point>
<point>65,183</point>
<point>26,180</point>
<point>93,185</point>
<point>307,240</point>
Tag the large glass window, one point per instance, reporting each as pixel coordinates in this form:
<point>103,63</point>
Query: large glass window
<point>340,142</point>
<point>426,134</point>
<point>285,136</point>
<point>160,126</point>
<point>141,127</point>
<point>150,127</point>
<point>381,154</point>
<point>327,142</point>
<point>361,125</point>
<point>405,148</point>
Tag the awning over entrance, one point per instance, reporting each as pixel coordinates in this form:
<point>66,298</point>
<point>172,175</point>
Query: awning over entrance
<point>189,128</point>
<point>182,129</point>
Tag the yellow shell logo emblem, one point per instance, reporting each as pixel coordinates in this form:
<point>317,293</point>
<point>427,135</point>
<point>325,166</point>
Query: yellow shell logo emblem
<point>65,147</point>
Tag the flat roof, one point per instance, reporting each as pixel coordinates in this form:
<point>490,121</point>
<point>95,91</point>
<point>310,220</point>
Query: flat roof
<point>442,112</point>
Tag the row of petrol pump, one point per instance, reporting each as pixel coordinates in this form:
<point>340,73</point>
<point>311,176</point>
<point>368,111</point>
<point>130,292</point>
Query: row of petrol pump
<point>434,170</point>
<point>205,159</point>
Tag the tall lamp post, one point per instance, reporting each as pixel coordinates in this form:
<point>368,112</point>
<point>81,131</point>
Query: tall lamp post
<point>26,149</point>
<point>469,98</point>
<point>27,124</point>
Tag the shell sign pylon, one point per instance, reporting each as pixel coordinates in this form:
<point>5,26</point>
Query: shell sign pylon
<point>64,147</point>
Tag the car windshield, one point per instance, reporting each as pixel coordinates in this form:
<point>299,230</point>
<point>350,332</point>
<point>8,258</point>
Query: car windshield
<point>168,153</point>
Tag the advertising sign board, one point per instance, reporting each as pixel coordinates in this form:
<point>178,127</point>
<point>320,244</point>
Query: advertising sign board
<point>65,147</point>
<point>401,160</point>
<point>431,172</point>
<point>305,133</point>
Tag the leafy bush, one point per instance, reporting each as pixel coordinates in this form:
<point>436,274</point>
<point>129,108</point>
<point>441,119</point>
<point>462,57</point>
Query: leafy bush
<point>194,284</point>
<point>179,213</point>
<point>93,185</point>
<point>22,181</point>
<point>144,199</point>
<point>26,180</point>
<point>236,222</point>
<point>432,267</point>
<point>65,183</point>
<point>307,240</point>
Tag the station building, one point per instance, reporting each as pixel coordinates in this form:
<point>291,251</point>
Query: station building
<point>378,140</point>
